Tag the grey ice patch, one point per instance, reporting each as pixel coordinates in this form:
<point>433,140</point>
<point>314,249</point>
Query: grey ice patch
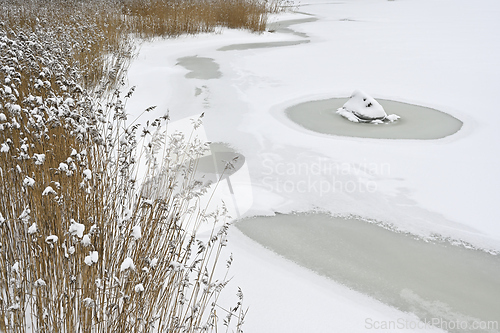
<point>417,122</point>
<point>220,163</point>
<point>280,27</point>
<point>429,279</point>
<point>248,46</point>
<point>284,26</point>
<point>200,67</point>
<point>203,93</point>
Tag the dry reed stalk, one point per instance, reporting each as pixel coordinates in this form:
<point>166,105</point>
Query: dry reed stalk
<point>83,249</point>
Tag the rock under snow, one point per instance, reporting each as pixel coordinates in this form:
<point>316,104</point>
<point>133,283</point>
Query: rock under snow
<point>363,108</point>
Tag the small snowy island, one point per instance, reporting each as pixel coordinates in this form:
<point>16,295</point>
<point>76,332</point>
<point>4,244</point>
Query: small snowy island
<point>362,108</point>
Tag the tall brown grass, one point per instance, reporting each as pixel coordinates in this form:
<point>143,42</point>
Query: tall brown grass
<point>174,17</point>
<point>97,35</point>
<point>82,247</point>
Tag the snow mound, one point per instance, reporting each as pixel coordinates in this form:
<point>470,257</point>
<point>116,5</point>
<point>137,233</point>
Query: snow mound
<point>362,108</point>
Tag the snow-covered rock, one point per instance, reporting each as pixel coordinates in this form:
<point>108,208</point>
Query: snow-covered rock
<point>362,108</point>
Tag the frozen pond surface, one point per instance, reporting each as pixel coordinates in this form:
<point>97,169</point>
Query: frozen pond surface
<point>284,26</point>
<point>248,46</point>
<point>200,68</point>
<point>429,279</point>
<point>278,27</point>
<point>416,122</point>
<point>220,163</point>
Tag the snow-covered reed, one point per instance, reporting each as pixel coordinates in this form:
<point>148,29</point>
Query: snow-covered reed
<point>174,17</point>
<point>83,248</point>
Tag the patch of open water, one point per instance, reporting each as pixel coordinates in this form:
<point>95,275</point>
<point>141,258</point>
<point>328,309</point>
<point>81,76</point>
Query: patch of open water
<point>431,279</point>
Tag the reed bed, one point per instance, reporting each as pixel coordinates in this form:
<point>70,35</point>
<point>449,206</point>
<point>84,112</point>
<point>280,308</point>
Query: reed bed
<point>83,247</point>
<point>99,34</point>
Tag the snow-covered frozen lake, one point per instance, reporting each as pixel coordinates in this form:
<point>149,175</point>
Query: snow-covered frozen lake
<point>439,54</point>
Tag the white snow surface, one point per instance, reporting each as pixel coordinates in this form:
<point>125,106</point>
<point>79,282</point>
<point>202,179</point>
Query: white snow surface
<point>442,55</point>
